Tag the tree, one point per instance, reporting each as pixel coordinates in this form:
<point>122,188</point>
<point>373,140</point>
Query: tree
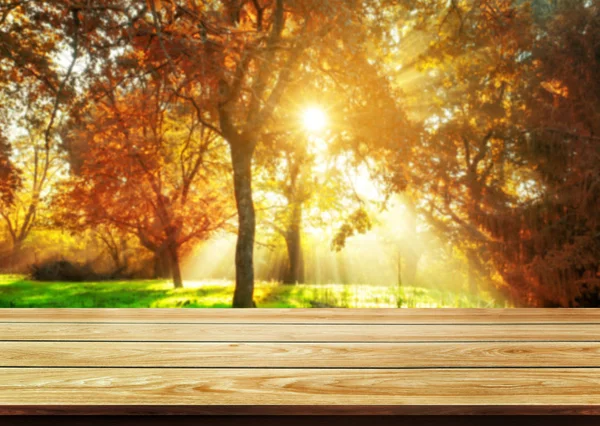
<point>284,184</point>
<point>141,159</point>
<point>40,169</point>
<point>556,260</point>
<point>301,185</point>
<point>252,88</point>
<point>466,164</point>
<point>503,171</point>
<point>117,244</point>
<point>307,177</point>
<point>33,90</point>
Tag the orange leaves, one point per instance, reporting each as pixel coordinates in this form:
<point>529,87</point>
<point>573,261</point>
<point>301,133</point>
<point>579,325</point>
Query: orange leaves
<point>143,151</point>
<point>556,87</point>
<point>154,5</point>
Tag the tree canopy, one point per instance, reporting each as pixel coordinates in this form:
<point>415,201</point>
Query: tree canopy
<point>167,122</point>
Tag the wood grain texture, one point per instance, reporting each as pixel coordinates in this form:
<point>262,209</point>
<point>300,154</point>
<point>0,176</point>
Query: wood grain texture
<point>297,333</point>
<point>129,386</point>
<point>310,316</point>
<point>380,361</point>
<point>299,355</point>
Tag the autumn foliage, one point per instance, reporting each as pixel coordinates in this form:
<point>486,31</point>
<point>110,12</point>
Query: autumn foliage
<point>158,124</point>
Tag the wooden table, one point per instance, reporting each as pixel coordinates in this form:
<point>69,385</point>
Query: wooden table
<point>317,361</point>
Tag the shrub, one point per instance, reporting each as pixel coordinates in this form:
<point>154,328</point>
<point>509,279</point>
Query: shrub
<point>65,270</point>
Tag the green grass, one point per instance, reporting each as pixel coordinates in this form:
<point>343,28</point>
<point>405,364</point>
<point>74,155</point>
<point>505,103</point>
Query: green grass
<point>18,292</point>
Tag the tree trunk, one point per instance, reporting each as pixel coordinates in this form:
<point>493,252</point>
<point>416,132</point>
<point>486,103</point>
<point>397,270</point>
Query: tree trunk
<point>15,256</point>
<point>114,255</point>
<point>412,253</point>
<point>472,278</point>
<point>241,159</point>
<point>295,273</point>
<point>175,267</point>
<point>399,266</point>
<point>162,263</point>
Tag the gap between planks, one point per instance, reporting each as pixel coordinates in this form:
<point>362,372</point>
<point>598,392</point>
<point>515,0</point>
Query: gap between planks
<point>330,316</point>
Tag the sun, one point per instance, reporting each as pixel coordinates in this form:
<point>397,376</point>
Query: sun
<point>314,119</point>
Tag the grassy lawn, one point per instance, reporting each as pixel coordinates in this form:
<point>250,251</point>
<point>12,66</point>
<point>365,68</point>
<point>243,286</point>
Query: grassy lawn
<point>19,292</point>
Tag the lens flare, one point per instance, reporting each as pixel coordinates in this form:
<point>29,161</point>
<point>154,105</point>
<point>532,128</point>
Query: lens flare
<point>314,119</point>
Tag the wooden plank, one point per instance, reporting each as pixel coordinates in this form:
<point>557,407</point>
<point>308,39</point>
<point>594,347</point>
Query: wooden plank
<point>205,387</point>
<point>299,355</point>
<point>296,333</point>
<point>332,316</point>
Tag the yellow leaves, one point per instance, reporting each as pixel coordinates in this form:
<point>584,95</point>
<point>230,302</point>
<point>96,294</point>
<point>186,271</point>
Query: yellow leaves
<point>556,87</point>
<point>140,56</point>
<point>230,62</point>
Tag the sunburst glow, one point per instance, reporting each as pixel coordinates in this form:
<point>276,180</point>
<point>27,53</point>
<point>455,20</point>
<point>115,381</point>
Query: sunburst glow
<point>314,119</point>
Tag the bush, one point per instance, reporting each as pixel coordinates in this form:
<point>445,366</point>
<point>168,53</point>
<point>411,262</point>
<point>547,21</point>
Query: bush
<point>589,297</point>
<point>65,270</point>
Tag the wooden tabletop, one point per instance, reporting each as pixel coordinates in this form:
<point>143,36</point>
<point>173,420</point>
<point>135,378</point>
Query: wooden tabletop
<point>301,361</point>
